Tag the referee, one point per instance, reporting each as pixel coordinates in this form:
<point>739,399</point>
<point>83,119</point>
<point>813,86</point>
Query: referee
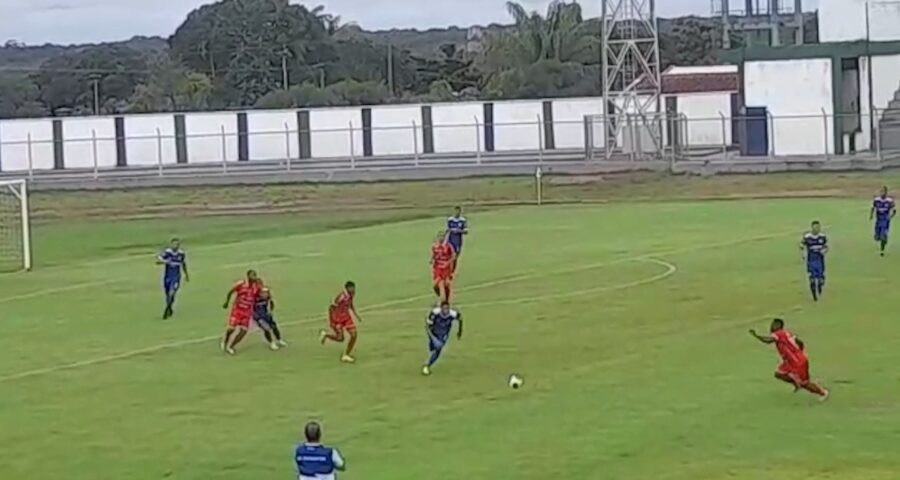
<point>314,460</point>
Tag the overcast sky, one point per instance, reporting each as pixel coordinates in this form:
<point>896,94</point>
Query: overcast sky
<point>77,21</point>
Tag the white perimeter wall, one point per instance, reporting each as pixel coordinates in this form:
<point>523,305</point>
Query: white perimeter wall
<point>331,136</point>
<point>458,127</point>
<point>14,151</point>
<point>205,134</point>
<point>518,125</point>
<point>705,112</point>
<point>800,89</point>
<point>272,135</point>
<point>150,139</point>
<point>845,20</point>
<point>568,121</point>
<point>399,130</point>
<point>81,150</point>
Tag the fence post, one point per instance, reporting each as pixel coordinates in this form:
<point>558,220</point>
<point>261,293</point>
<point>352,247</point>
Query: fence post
<point>287,145</point>
<point>825,132</point>
<point>415,133</point>
<point>540,139</point>
<point>352,148</point>
<point>224,151</point>
<point>724,136</point>
<point>588,137</point>
<point>30,157</point>
<point>877,124</point>
<point>771,121</point>
<point>94,154</point>
<point>477,141</point>
<point>159,151</point>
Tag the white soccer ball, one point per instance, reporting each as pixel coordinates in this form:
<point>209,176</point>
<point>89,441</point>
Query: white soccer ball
<point>516,381</point>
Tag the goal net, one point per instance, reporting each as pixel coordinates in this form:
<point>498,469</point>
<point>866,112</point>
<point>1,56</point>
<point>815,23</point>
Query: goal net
<point>15,234</point>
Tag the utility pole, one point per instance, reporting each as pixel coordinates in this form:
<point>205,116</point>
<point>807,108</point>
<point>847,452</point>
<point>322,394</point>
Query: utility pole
<point>95,79</point>
<point>390,68</point>
<point>284,72</point>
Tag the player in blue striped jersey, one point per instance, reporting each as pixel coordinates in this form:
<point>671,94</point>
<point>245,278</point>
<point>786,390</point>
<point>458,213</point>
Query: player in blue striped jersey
<point>175,263</point>
<point>437,326</point>
<point>883,211</point>
<point>457,227</point>
<point>264,316</point>
<point>814,246</point>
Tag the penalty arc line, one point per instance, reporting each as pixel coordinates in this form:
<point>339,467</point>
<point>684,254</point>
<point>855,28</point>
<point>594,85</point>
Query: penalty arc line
<point>184,343</point>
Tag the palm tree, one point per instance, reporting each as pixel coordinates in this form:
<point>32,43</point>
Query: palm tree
<point>562,34</point>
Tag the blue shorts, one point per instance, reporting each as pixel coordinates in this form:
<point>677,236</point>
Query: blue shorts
<point>457,247</point>
<point>437,342</point>
<point>264,321</point>
<point>171,285</point>
<point>816,269</point>
<point>881,231</point>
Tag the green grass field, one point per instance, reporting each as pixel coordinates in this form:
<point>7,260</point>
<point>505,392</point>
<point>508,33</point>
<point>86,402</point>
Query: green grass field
<point>628,321</point>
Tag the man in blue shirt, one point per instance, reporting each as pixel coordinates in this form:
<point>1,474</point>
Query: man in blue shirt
<point>883,211</point>
<point>814,246</point>
<point>175,262</point>
<point>264,316</point>
<point>457,227</point>
<point>316,461</point>
<point>438,326</point>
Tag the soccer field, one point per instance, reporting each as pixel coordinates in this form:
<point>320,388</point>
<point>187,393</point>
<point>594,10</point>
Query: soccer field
<point>628,322</point>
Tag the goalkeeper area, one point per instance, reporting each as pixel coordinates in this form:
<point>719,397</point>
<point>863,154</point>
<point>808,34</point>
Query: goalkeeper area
<point>624,302</point>
<point>15,235</point>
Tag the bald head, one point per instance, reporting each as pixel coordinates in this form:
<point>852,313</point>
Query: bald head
<point>313,432</point>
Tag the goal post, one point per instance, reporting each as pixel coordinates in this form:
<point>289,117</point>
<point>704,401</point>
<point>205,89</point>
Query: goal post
<point>15,226</point>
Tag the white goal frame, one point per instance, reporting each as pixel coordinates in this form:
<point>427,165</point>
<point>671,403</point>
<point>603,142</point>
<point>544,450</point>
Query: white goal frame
<point>19,189</point>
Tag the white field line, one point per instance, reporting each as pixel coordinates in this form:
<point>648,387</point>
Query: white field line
<point>379,306</point>
<point>101,283</point>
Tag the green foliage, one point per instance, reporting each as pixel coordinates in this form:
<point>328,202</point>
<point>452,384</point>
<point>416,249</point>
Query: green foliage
<point>278,54</point>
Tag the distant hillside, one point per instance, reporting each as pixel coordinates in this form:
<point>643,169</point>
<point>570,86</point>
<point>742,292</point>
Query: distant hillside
<point>32,57</point>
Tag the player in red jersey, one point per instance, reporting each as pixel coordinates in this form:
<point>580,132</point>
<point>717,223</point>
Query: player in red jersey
<point>443,259</point>
<point>340,318</point>
<point>246,293</point>
<point>794,368</point>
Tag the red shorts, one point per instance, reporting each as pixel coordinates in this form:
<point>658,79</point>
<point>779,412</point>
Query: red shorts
<point>341,322</point>
<point>240,318</point>
<point>799,372</point>
<point>441,275</point>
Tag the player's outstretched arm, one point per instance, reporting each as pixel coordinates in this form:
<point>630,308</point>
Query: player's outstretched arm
<point>187,276</point>
<point>228,298</point>
<point>761,338</point>
<point>271,303</point>
<point>872,212</point>
<point>459,328</point>
<point>355,313</point>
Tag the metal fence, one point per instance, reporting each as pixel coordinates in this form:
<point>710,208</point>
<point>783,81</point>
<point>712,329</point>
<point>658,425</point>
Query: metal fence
<point>220,149</point>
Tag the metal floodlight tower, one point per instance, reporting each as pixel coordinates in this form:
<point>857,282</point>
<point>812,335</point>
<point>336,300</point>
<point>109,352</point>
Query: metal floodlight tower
<point>631,75</point>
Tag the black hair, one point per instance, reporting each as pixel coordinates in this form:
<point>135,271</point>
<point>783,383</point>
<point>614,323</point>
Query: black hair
<point>779,322</point>
<point>349,285</point>
<point>313,432</point>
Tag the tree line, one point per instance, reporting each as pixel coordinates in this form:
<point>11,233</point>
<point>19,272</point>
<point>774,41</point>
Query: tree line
<point>274,54</point>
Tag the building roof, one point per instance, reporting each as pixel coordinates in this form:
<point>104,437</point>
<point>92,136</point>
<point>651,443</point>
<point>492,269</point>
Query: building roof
<point>707,79</point>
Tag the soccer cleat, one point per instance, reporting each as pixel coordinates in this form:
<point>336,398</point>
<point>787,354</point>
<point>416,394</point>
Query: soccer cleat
<point>825,397</point>
<point>282,343</point>
<point>230,351</point>
<point>348,359</point>
<point>426,371</point>
<point>323,335</point>
<point>273,346</point>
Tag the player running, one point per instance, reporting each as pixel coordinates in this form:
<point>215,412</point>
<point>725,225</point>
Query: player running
<point>883,211</point>
<point>340,317</point>
<point>263,316</point>
<point>814,246</point>
<point>794,368</point>
<point>443,257</point>
<point>175,261</point>
<point>438,326</point>
<point>458,227</point>
<point>246,293</point>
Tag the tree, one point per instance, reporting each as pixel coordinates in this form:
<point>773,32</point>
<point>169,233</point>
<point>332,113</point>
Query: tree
<point>67,81</point>
<point>20,97</point>
<point>299,96</point>
<point>246,46</point>
<point>172,87</point>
